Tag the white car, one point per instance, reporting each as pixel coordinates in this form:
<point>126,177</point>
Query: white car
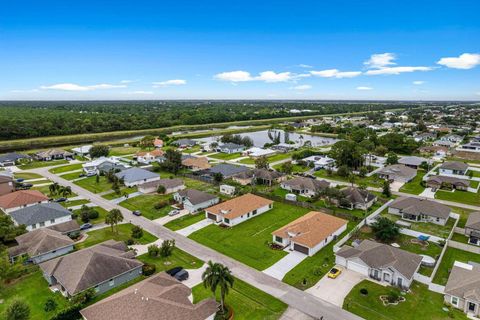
<point>174,212</point>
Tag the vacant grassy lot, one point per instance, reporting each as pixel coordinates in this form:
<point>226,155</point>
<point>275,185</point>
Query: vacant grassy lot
<point>459,196</point>
<point>178,258</point>
<point>450,256</point>
<point>91,184</point>
<point>74,203</point>
<point>247,242</point>
<point>295,168</point>
<point>414,186</point>
<point>146,204</point>
<point>45,190</point>
<point>121,151</point>
<point>420,303</point>
<point>372,181</point>
<point>123,191</point>
<point>124,233</point>
<point>41,164</point>
<point>248,303</point>
<point>185,221</point>
<point>270,159</point>
<point>43,181</point>
<point>226,156</point>
<point>27,175</point>
<point>70,167</point>
<point>71,176</point>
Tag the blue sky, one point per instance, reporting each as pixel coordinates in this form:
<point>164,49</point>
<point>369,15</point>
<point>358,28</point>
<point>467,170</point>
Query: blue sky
<point>420,50</point>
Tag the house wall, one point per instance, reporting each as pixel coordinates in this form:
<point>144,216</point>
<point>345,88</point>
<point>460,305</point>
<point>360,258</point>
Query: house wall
<point>325,242</point>
<point>305,193</point>
<point>247,216</point>
<point>6,188</point>
<point>135,183</point>
<point>243,182</point>
<point>52,254</point>
<point>194,208</point>
<point>48,223</point>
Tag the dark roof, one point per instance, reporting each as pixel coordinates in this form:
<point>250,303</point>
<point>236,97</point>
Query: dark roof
<point>227,170</point>
<point>267,174</point>
<point>12,157</point>
<point>107,166</point>
<point>167,183</point>
<point>231,146</point>
<point>39,213</point>
<point>356,195</point>
<point>301,183</point>
<point>454,165</point>
<point>447,179</point>
<point>195,196</point>
<point>416,206</point>
<point>473,221</point>
<point>398,170</point>
<point>135,174</point>
<point>188,142</point>
<point>66,227</point>
<point>39,241</point>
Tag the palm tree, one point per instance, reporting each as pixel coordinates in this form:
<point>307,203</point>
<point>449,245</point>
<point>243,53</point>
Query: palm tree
<point>53,188</point>
<point>65,191</point>
<point>218,275</point>
<point>113,218</point>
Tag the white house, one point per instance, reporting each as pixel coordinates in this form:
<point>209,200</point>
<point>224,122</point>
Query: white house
<point>256,152</point>
<point>226,189</point>
<point>135,176</point>
<point>83,150</point>
<point>320,162</point>
<point>41,215</point>
<point>147,157</point>
<point>462,288</point>
<point>420,210</point>
<point>21,199</point>
<point>231,148</point>
<point>103,164</point>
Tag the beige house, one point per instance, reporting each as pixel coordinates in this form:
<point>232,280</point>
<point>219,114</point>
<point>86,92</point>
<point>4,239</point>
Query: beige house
<point>463,288</point>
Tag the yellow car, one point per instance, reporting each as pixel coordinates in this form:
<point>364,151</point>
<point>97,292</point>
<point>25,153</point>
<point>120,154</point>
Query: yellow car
<point>334,273</point>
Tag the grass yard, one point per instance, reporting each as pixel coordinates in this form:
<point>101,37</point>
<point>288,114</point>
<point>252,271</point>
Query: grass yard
<point>73,203</point>
<point>420,303</point>
<point>295,168</point>
<point>248,241</point>
<point>45,190</point>
<point>146,204</point>
<point>101,216</point>
<point>450,256</point>
<point>270,159</point>
<point>71,175</point>
<point>459,196</point>
<point>70,167</point>
<point>43,181</point>
<point>122,151</point>
<point>248,302</point>
<point>464,213</point>
<point>200,185</point>
<point>473,184</point>
<point>178,258</point>
<point>33,289</point>
<point>91,184</point>
<point>124,233</point>
<point>226,156</point>
<point>123,191</point>
<point>192,149</point>
<point>41,164</point>
<point>372,181</point>
<point>355,212</point>
<point>185,221</point>
<point>414,186</point>
<point>27,175</point>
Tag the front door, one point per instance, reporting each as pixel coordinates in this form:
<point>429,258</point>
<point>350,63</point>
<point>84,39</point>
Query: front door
<point>400,282</point>
<point>471,307</point>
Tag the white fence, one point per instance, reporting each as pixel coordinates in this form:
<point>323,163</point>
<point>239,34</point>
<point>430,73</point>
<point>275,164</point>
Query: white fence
<point>436,288</point>
<point>421,278</point>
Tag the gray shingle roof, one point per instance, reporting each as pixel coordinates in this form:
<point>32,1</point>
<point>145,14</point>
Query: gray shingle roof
<point>398,170</point>
<point>301,183</point>
<point>196,197</point>
<point>412,160</point>
<point>473,221</point>
<point>418,206</point>
<point>227,170</point>
<point>167,183</point>
<point>357,196</point>
<point>39,241</point>
<point>135,174</point>
<point>464,283</point>
<point>454,165</point>
<point>447,179</point>
<point>12,157</point>
<point>39,213</point>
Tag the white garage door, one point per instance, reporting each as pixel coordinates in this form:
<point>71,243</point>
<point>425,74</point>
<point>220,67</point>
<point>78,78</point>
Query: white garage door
<point>357,267</point>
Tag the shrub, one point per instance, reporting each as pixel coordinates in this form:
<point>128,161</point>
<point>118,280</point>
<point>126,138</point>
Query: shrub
<point>17,310</point>
<point>343,171</point>
<point>93,214</point>
<point>148,269</point>
<point>50,305</point>
<point>364,291</point>
<point>74,235</point>
<point>129,242</point>
<point>71,312</point>
<point>393,296</point>
<point>167,248</point>
<point>161,189</point>
<point>137,232</point>
<point>153,250</point>
<point>161,204</point>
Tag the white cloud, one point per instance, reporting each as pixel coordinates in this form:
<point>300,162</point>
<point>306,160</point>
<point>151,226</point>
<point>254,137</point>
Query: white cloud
<point>396,70</point>
<point>234,76</point>
<point>244,76</point>
<point>302,87</point>
<point>380,60</point>
<point>106,86</point>
<point>463,61</point>
<point>140,92</point>
<point>418,82</point>
<point>127,81</point>
<point>478,93</point>
<point>173,82</point>
<point>306,66</point>
<point>383,63</point>
<point>364,88</point>
<point>77,87</point>
<point>271,76</point>
<point>335,73</point>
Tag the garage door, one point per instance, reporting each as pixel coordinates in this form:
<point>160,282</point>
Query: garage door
<point>357,267</point>
<point>212,216</point>
<point>300,248</point>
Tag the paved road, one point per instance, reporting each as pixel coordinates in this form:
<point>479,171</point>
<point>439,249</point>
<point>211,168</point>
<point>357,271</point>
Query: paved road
<point>295,298</point>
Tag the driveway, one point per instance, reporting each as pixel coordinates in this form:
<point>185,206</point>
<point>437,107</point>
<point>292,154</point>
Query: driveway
<point>428,193</point>
<point>287,263</point>
<point>194,227</point>
<point>167,218</point>
<point>335,290</point>
<point>396,185</point>
<point>195,276</point>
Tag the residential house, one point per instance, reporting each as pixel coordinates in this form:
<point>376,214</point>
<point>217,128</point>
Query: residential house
<point>230,148</point>
<point>310,233</point>
<point>238,210</point>
<point>439,182</point>
<point>444,143</point>
<point>454,138</point>
<point>158,143</point>
<point>256,152</point>
<point>355,198</point>
<point>103,164</point>
<point>53,154</point>
<point>20,199</point>
<point>306,187</point>
<point>41,245</point>
<point>259,176</point>
<point>102,267</point>
<point>66,227</point>
<point>147,157</point>
<point>397,172</point>
<point>453,167</point>
<point>170,185</point>
<point>226,189</point>
<point>134,176</point>
<point>194,200</point>
<point>437,151</point>
<point>11,159</point>
<point>471,146</point>
<point>196,163</point>
<point>41,215</point>
<point>472,228</point>
<point>381,262</point>
<point>463,288</point>
<point>82,151</point>
<point>7,185</point>
<point>425,136</point>
<point>159,297</point>
<point>420,210</point>
<point>413,161</point>
<point>226,170</point>
<point>185,143</point>
<point>319,162</point>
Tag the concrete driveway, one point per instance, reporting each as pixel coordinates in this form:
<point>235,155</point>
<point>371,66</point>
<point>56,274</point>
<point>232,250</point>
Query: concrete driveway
<point>287,263</point>
<point>428,193</point>
<point>335,290</point>
<point>396,185</point>
<point>194,227</point>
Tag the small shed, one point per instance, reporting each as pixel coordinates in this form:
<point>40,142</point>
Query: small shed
<point>226,189</point>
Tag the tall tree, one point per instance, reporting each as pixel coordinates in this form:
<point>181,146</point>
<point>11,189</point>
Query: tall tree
<point>113,218</point>
<point>261,163</point>
<point>173,161</point>
<point>218,276</point>
<point>98,151</point>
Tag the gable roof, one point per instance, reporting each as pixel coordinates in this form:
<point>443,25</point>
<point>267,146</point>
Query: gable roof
<point>39,213</point>
<point>454,165</point>
<point>196,197</point>
<point>378,255</point>
<point>418,206</point>
<point>38,242</point>
<point>52,153</point>
<point>21,198</point>
<point>198,162</point>
<point>167,183</point>
<point>412,160</point>
<point>135,174</point>
<point>160,297</point>
<point>464,282</point>
<point>398,170</point>
<point>448,179</point>
<point>302,183</point>
<point>13,156</point>
<point>267,174</point>
<point>239,206</point>
<point>89,267</point>
<point>227,170</point>
<point>473,221</point>
<point>231,146</point>
<point>357,196</point>
<point>154,153</point>
<point>311,229</point>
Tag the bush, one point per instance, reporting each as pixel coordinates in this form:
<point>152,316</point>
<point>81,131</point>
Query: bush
<point>93,214</point>
<point>363,291</point>
<point>50,305</point>
<point>129,242</point>
<point>17,310</point>
<point>161,204</point>
<point>137,232</point>
<point>167,248</point>
<point>393,296</point>
<point>148,269</point>
<point>343,171</point>
<point>74,235</point>
<point>161,189</point>
<point>71,312</point>
<point>153,250</point>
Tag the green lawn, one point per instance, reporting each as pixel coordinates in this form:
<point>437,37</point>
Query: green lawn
<point>414,186</point>
<point>270,159</point>
<point>355,212</point>
<point>192,149</point>
<point>372,181</point>
<point>45,190</point>
<point>178,258</point>
<point>43,181</point>
<point>123,191</point>
<point>200,185</point>
<point>27,175</point>
<point>121,151</point>
<point>459,196</point>
<point>420,303</point>
<point>460,237</point>
<point>73,203</point>
<point>226,156</point>
<point>464,213</point>
<point>146,204</point>
<point>101,216</point>
<point>91,184</point>
<point>450,256</point>
<point>70,167</point>
<point>33,289</point>
<point>185,221</point>
<point>124,233</point>
<point>72,175</point>
<point>295,168</point>
<point>41,164</point>
<point>247,242</point>
<point>248,302</point>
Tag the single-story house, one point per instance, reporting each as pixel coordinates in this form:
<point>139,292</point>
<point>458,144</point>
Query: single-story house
<point>83,150</point>
<point>425,136</point>
<point>53,154</point>
<point>442,143</point>
<point>226,170</point>
<point>66,227</point>
<point>238,210</point>
<point>102,267</point>
<point>41,245</point>
<point>184,143</point>
<point>103,164</point>
<point>355,198</point>
<point>260,176</point>
<point>453,167</point>
<point>413,161</point>
<point>196,163</point>
<point>230,148</point>
<point>20,199</point>
<point>306,187</point>
<point>310,233</point>
<point>397,172</point>
<point>437,182</point>
<point>41,215</point>
<point>7,185</point>
<point>11,159</point>
<point>256,152</point>
<point>226,189</point>
<point>158,143</point>
<point>148,157</point>
<point>472,228</point>
<point>135,176</point>
<point>463,287</point>
<point>159,297</point>
<point>420,210</point>
<point>381,262</point>
<point>471,146</point>
<point>194,200</point>
<point>170,185</point>
<point>436,150</point>
<point>455,138</point>
<point>319,162</point>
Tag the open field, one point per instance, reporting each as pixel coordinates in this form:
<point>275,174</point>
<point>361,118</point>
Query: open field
<point>70,167</point>
<point>124,233</point>
<point>40,164</point>
<point>185,221</point>
<point>146,204</point>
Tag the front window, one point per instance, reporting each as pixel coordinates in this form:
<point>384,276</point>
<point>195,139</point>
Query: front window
<point>42,224</point>
<point>226,220</point>
<point>455,301</point>
<point>52,221</point>
<point>111,282</point>
<point>278,239</point>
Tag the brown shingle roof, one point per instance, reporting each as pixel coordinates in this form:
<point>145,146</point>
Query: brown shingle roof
<point>160,297</point>
<point>454,165</point>
<point>155,153</point>
<point>453,180</point>
<point>417,206</point>
<point>356,195</point>
<point>473,221</point>
<point>167,183</point>
<point>39,241</point>
<point>239,206</point>
<point>311,229</point>
<point>21,198</point>
<point>464,283</point>
<point>197,162</point>
<point>301,183</point>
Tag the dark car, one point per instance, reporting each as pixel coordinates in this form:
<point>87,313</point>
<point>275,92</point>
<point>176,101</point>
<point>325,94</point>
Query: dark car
<point>182,275</point>
<point>174,271</point>
<point>60,199</point>
<point>86,226</point>
<point>137,213</point>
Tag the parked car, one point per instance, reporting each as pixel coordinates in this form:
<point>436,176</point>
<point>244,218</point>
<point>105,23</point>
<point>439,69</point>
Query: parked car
<point>81,175</point>
<point>334,273</point>
<point>174,271</point>
<point>62,199</point>
<point>182,275</point>
<point>86,226</point>
<point>174,212</point>
<point>137,213</point>
<point>20,180</point>
<point>91,174</point>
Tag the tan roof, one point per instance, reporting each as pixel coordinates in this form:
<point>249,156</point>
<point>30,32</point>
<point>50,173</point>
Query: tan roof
<point>155,153</point>
<point>197,162</point>
<point>464,283</point>
<point>416,206</point>
<point>167,183</point>
<point>239,206</point>
<point>157,142</point>
<point>21,198</point>
<point>39,241</point>
<point>473,221</point>
<point>160,297</point>
<point>311,229</point>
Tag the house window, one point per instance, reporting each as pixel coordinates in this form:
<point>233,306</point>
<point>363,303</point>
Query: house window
<point>34,226</point>
<point>270,206</point>
<point>438,219</point>
<point>226,220</point>
<point>42,224</point>
<point>52,221</point>
<point>278,239</point>
<point>255,212</point>
<point>454,301</point>
<point>111,282</point>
